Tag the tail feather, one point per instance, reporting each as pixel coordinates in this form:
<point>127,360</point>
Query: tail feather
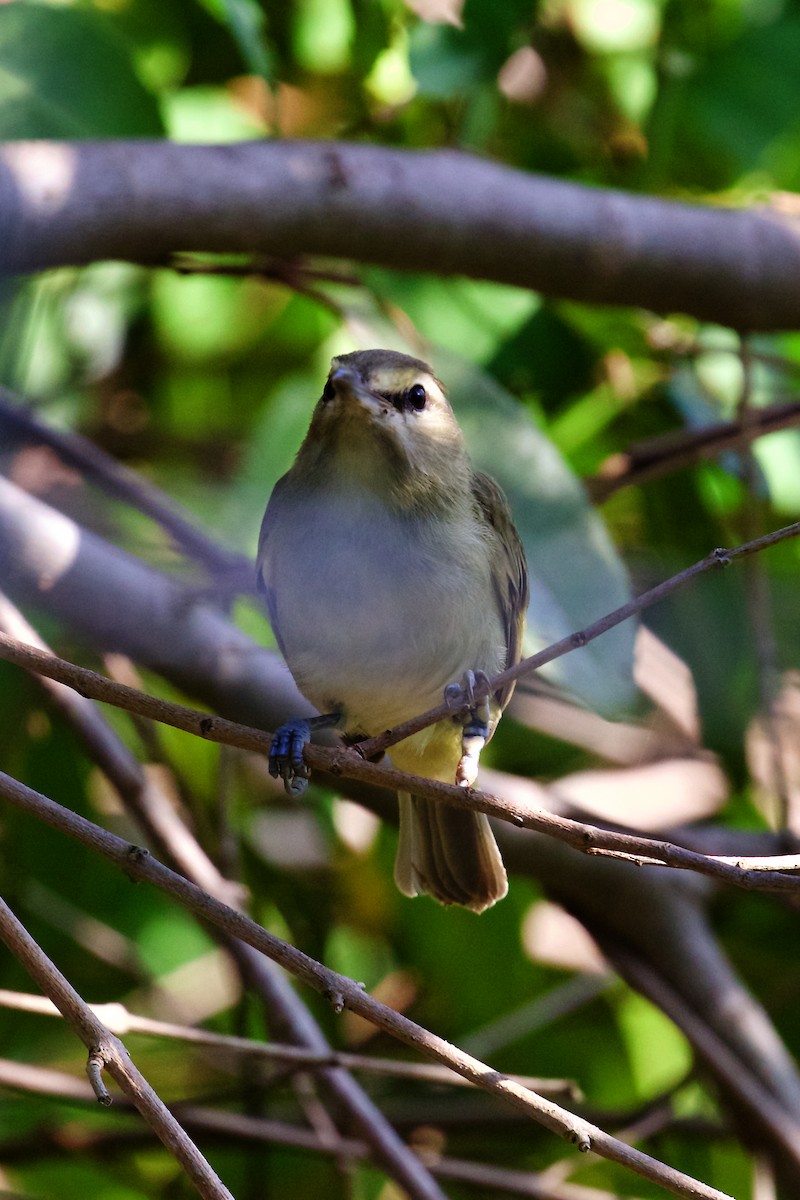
<point>449,854</point>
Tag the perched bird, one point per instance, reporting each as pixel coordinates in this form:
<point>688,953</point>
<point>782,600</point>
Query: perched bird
<point>392,569</point>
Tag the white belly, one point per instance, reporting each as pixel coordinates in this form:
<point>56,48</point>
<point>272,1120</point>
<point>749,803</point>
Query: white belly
<point>376,615</point>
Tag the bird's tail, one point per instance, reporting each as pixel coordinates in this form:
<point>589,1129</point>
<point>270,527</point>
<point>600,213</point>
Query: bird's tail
<point>448,853</point>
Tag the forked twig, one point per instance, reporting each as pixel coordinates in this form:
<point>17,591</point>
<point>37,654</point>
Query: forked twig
<point>107,1053</point>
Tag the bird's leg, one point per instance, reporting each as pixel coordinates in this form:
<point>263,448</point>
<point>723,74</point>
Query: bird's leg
<point>475,719</point>
<point>286,752</point>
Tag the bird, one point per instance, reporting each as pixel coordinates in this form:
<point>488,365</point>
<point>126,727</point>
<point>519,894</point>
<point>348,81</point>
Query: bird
<point>393,575</point>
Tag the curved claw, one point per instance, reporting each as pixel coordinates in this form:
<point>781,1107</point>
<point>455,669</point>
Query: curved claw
<point>286,755</point>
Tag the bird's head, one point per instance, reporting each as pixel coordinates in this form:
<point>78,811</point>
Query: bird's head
<point>383,420</point>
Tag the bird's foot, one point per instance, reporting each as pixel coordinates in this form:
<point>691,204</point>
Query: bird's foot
<point>286,755</point>
<point>475,718</point>
<point>286,760</point>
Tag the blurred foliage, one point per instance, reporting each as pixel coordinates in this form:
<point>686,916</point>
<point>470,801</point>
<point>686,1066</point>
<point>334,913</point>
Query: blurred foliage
<point>204,383</point>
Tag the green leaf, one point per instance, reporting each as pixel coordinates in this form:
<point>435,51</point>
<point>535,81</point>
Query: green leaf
<point>448,61</point>
<point>67,73</point>
<point>644,1027</point>
<point>323,35</point>
<point>464,312</point>
<point>247,24</point>
<point>730,113</point>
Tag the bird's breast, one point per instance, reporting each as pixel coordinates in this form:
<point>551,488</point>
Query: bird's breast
<point>377,612</point>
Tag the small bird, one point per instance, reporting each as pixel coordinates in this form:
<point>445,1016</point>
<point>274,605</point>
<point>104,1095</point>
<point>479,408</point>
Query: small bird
<point>393,572</point>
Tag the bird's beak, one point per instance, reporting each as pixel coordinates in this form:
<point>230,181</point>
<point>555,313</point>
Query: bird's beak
<point>349,384</point>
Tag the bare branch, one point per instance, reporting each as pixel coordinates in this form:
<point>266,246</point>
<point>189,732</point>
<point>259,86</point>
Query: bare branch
<point>348,763</point>
<point>436,211</point>
<point>238,1127</point>
<point>668,452</point>
<point>343,992</point>
<point>156,817</point>
<point>120,1021</point>
<point>106,1052</point>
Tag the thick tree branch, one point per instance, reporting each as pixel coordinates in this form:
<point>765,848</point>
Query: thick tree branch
<point>19,426</point>
<point>439,211</point>
<point>45,556</point>
<point>764,1110</point>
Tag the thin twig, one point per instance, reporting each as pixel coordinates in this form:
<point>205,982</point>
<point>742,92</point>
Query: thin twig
<point>106,1052</point>
<point>347,763</point>
<point>120,1021</point>
<point>660,456</point>
<point>238,1128</point>
<point>261,266</point>
<point>720,557</point>
<point>343,992</point>
<point>292,273</point>
<point>163,827</point>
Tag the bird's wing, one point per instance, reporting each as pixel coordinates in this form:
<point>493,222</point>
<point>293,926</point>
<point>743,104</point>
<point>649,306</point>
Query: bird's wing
<point>262,582</point>
<point>509,569</point>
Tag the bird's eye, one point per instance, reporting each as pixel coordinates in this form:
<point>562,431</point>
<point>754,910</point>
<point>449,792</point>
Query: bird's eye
<point>417,397</point>
<point>328,392</point>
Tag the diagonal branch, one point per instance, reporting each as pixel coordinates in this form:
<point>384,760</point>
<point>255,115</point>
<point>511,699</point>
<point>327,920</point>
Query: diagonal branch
<point>661,455</point>
<point>239,1128</point>
<point>164,829</point>
<point>106,1052</point>
<point>762,874</point>
<point>720,557</point>
<point>437,211</point>
<point>343,992</point>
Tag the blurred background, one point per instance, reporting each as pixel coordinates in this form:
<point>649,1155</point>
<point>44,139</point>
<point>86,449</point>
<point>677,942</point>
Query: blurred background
<point>618,436</point>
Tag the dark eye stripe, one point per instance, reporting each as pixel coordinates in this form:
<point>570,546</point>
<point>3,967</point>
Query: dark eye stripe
<point>413,400</point>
